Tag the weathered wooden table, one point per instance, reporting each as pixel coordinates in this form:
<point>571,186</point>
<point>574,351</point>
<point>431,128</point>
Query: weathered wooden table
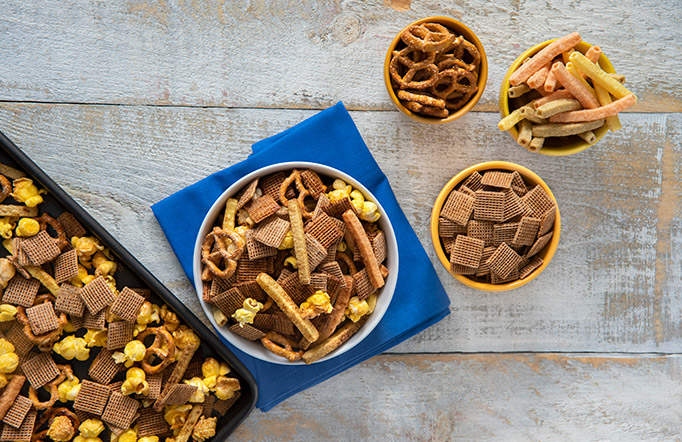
<point>124,103</point>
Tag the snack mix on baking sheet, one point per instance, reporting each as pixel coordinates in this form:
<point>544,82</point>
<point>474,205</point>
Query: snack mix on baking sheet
<point>494,225</point>
<point>68,330</point>
<point>295,261</point>
<point>435,71</point>
<point>560,93</point>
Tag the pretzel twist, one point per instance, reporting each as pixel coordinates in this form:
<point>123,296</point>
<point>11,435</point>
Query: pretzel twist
<point>425,70</point>
<point>156,350</point>
<point>6,187</point>
<point>295,178</point>
<point>61,239</point>
<point>281,346</point>
<point>454,80</point>
<point>65,372</point>
<point>428,37</point>
<point>216,241</point>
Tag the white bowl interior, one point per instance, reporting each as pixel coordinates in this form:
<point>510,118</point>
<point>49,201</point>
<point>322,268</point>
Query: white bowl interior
<point>256,349</point>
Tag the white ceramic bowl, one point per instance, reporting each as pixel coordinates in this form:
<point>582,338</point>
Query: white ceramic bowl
<point>256,349</point>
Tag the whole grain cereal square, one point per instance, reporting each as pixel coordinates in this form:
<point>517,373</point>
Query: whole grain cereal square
<point>517,184</point>
<point>40,370</point>
<point>512,205</point>
<point>71,225</point>
<point>513,276</point>
<point>263,322</point>
<point>21,291</point>
<point>179,394</point>
<point>84,415</point>
<point>547,221</point>
<point>458,207</point>
<point>315,250</point>
<point>119,334</point>
<point>95,322</point>
<point>322,202</point>
<point>120,410</point>
<point>313,182</point>
<point>379,246</point>
<point>219,285</point>
<point>42,318</point>
<point>484,268</point>
<point>16,335</point>
<point>248,270</point>
<point>465,190</point>
<point>69,301</point>
<point>40,248</point>
<point>489,206</point>
<point>251,289</point>
<point>256,249</point>
<point>145,293</point>
<point>527,232</point>
<point>24,432</point>
<point>127,305</point>
<point>272,231</point>
<point>115,386</point>
<point>333,269</point>
<point>504,233</point>
<point>65,266</point>
<point>448,243</point>
<point>318,281</point>
<point>247,331</point>
<point>282,325</point>
<point>22,257</point>
<point>96,295</point>
<point>271,184</point>
<point>194,367</point>
<point>103,367</point>
<point>467,251</point>
<point>208,405</point>
<point>296,291</point>
<point>261,208</point>
<point>92,397</point>
<point>18,411</point>
<point>229,301</point>
<point>324,229</point>
<point>533,263</point>
<point>247,194</point>
<point>362,284</point>
<point>457,269</point>
<point>496,178</point>
<point>504,261</point>
<point>222,406</point>
<point>474,182</point>
<point>151,423</point>
<point>539,244</point>
<point>537,202</point>
<point>155,382</point>
<point>339,207</point>
<point>449,229</point>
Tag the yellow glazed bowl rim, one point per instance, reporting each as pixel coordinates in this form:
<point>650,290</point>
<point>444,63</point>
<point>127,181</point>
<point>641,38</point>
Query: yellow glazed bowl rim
<point>569,149</point>
<point>546,254</point>
<point>460,28</point>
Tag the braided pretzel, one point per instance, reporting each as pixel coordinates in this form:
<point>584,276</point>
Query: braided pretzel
<point>428,37</point>
<point>295,178</point>
<point>49,417</point>
<point>6,187</point>
<point>61,239</point>
<point>281,346</point>
<point>52,387</point>
<point>424,70</point>
<point>44,341</point>
<point>161,336</point>
<point>211,259</point>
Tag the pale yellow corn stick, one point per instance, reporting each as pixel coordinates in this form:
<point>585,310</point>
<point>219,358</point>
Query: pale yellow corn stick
<point>517,91</point>
<point>23,211</point>
<point>558,106</point>
<point>596,114</point>
<point>598,76</point>
<point>11,172</point>
<point>620,78</point>
<point>564,130</point>
<point>525,133</point>
<point>510,120</point>
<point>550,82</point>
<point>333,342</point>
<point>536,144</point>
<point>574,86</point>
<point>543,57</point>
<point>566,54</point>
<point>538,78</point>
<point>298,235</point>
<point>588,136</point>
<point>288,306</point>
<point>579,76</point>
<point>230,212</point>
<point>528,112</point>
<point>192,419</point>
<point>604,98</point>
<point>556,95</point>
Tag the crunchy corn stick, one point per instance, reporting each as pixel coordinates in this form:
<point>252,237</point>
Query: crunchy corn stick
<point>558,106</point>
<point>525,133</point>
<point>570,67</point>
<point>556,95</point>
<point>538,78</point>
<point>604,98</point>
<point>365,247</point>
<point>593,54</point>
<point>596,114</point>
<point>563,130</point>
<point>620,78</point>
<point>598,76</point>
<point>334,341</point>
<point>588,136</point>
<point>517,91</point>
<point>288,306</point>
<point>297,233</point>
<point>574,86</point>
<point>10,394</point>
<point>11,172</point>
<point>192,419</point>
<point>536,144</point>
<point>543,57</point>
<point>550,82</point>
<point>510,120</point>
<point>230,212</point>
<point>23,211</point>
<point>529,113</point>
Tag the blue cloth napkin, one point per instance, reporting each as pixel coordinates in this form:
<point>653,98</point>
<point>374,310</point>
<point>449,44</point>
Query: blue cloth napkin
<point>329,137</point>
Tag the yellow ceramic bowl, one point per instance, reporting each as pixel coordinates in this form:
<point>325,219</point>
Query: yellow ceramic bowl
<point>553,146</point>
<point>457,28</point>
<point>530,178</point>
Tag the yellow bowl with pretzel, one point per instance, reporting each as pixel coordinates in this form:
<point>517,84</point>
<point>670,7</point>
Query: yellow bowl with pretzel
<point>435,70</point>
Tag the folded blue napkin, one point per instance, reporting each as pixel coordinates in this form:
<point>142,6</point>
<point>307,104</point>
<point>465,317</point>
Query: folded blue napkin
<point>329,137</point>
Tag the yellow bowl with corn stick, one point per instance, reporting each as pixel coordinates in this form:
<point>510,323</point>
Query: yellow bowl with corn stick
<point>521,102</point>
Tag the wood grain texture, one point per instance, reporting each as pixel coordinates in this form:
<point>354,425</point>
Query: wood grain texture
<point>290,54</point>
<point>485,397</point>
<point>614,284</point>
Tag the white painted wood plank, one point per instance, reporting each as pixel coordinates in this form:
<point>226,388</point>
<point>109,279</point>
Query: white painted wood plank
<point>488,397</point>
<point>290,54</point>
<point>614,285</point>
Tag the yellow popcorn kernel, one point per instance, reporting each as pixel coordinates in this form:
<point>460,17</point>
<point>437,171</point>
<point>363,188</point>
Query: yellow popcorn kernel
<point>357,199</point>
<point>7,270</point>
<point>317,304</point>
<point>7,312</point>
<point>370,212</point>
<point>291,261</point>
<point>3,380</point>
<point>6,347</point>
<point>226,387</point>
<point>337,195</point>
<point>219,316</point>
<point>356,309</point>
<point>204,429</point>
<point>149,439</point>
<point>88,279</point>
<point>134,351</point>
<point>201,391</point>
<point>135,382</point>
<point>287,242</point>
<point>103,265</point>
<point>170,319</point>
<point>68,390</point>
<point>27,227</point>
<point>224,369</point>
<point>61,429</point>
<point>342,247</point>
<point>175,415</point>
<point>128,436</point>
<point>26,192</point>
<point>184,336</point>
<point>210,367</point>
<point>72,347</point>
<point>246,314</point>
<point>86,246</point>
<point>91,428</point>
<point>78,279</point>
<point>148,313</point>
<point>95,338</point>
<point>9,362</point>
<point>6,227</point>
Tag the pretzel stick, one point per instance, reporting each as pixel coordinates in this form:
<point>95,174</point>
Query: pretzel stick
<point>296,223</point>
<point>337,315</point>
<point>574,86</point>
<point>192,419</point>
<point>543,57</point>
<point>230,212</point>
<point>288,306</point>
<point>365,247</point>
<point>10,394</point>
<point>598,76</point>
<point>596,114</point>
<point>334,341</point>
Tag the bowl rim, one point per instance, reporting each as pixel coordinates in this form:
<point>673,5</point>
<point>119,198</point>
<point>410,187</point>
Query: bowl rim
<point>482,71</point>
<point>256,350</point>
<point>549,250</point>
<point>575,147</point>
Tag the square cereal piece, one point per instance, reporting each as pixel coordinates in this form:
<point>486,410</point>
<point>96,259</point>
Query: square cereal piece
<point>97,294</point>
<point>119,334</point>
<point>458,207</point>
<point>333,269</point>
<point>448,229</point>
<point>42,318</point>
<point>66,266</point>
<point>208,405</point>
<point>313,183</point>
<point>248,270</point>
<point>318,281</point>
<point>251,289</point>
<point>513,276</point>
<point>16,335</point>
<point>247,194</point>
<point>22,257</point>
<point>457,269</point>
<point>155,382</point>
<point>179,394</point>
<point>527,232</point>
<point>533,264</point>
<point>465,190</point>
<point>496,178</point>
<point>120,410</point>
<point>222,406</point>
<point>467,251</point>
<point>194,366</point>
<point>271,184</point>
<point>324,229</point>
<point>483,230</point>
<point>229,301</point>
<point>539,244</point>
<point>247,331</point>
<point>484,268</point>
<point>69,301</point>
<point>537,202</point>
<point>256,249</point>
<point>362,284</point>
<point>71,225</point>
<point>547,221</point>
<point>296,291</point>
<point>489,206</point>
<point>127,305</point>
<point>21,291</point>
<point>24,432</point>
<point>474,182</point>
<point>512,205</point>
<point>504,261</point>
<point>261,208</point>
<point>517,184</point>
<point>339,207</point>
<point>315,250</point>
<point>151,423</point>
<point>40,248</point>
<point>504,233</point>
<point>18,411</point>
<point>92,397</point>
<point>103,367</point>
<point>40,370</point>
<point>95,322</point>
<point>379,246</point>
<point>271,232</point>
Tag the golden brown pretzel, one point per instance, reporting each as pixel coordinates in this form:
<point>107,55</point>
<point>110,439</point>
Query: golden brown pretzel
<point>281,346</point>
<point>61,239</point>
<point>65,372</point>
<point>44,341</point>
<point>342,257</point>
<point>6,187</point>
<point>295,178</point>
<point>428,37</point>
<point>468,48</point>
<point>161,336</point>
<point>215,249</point>
<point>412,74</point>
<point>454,80</point>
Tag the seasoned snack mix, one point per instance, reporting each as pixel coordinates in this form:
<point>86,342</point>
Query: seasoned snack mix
<point>83,358</point>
